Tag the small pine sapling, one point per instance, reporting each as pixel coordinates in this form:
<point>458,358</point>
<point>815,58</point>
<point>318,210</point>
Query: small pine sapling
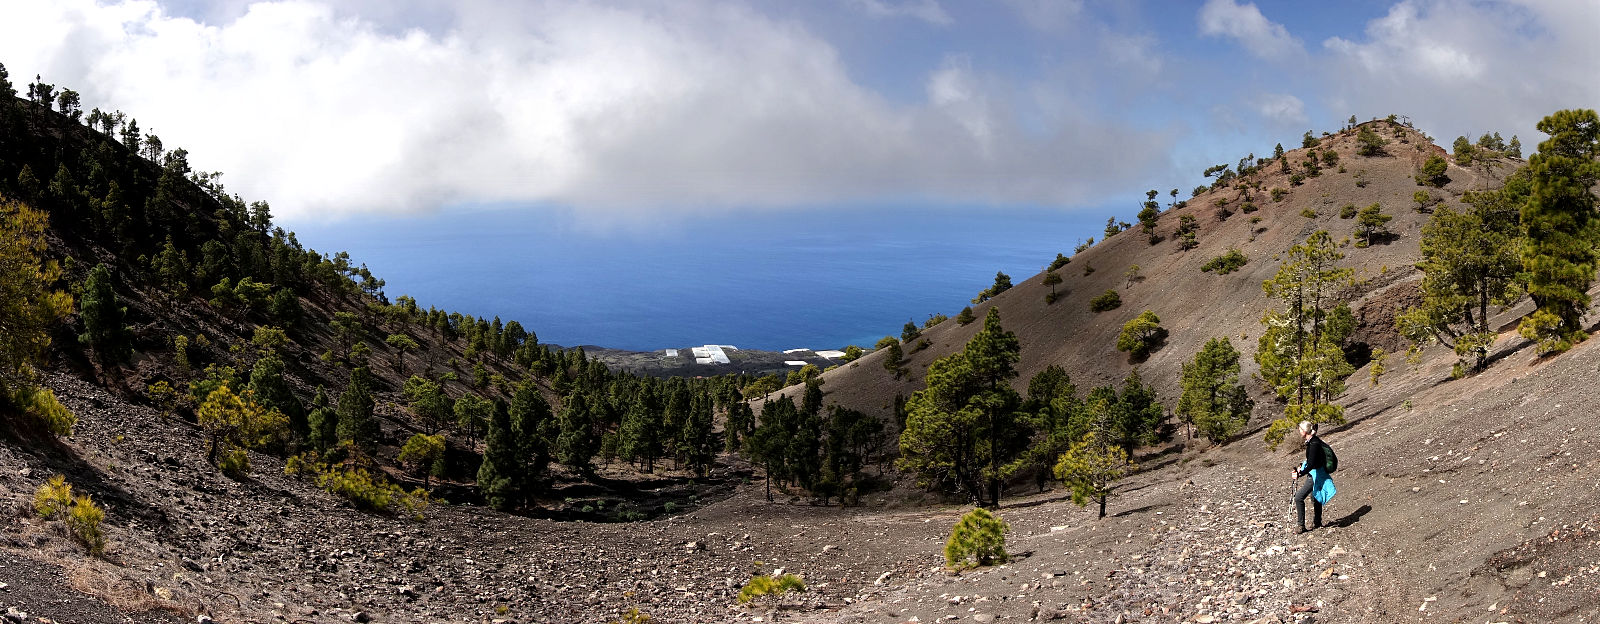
<point>978,539</point>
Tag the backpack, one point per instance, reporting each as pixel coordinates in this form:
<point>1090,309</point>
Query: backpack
<point>1329,460</point>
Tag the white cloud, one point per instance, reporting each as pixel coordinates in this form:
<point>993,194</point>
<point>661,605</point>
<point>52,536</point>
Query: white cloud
<point>1245,23</point>
<point>1281,108</point>
<point>683,105</point>
<point>929,11</point>
<point>1464,68</point>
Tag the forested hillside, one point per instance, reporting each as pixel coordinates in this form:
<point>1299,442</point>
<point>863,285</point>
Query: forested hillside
<point>189,299</point>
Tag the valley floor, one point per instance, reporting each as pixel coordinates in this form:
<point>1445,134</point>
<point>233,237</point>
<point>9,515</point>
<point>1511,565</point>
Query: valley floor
<point>1460,501</point>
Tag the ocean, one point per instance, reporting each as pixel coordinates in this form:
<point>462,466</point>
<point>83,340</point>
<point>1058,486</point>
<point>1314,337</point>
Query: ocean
<point>762,279</point>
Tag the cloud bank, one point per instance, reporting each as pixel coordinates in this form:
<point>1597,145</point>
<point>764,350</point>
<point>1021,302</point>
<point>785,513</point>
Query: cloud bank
<point>618,110</point>
<point>1465,68</point>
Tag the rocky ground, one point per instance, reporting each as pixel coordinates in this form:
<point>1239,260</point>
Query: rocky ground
<point>1460,501</point>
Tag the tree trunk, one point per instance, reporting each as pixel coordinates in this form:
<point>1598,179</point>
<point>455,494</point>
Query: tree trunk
<point>1102,505</point>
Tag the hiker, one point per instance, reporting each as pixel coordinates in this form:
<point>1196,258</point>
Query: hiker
<point>1320,485</point>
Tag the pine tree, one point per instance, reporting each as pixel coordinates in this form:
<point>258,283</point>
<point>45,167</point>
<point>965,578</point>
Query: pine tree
<point>1213,400</point>
<point>472,414</point>
<point>1371,222</point>
<point>428,403</point>
<point>499,476</point>
<point>1053,413</point>
<point>1050,279</point>
<point>322,421</point>
<point>103,317</point>
<point>966,316</point>
<point>1090,468</point>
<point>641,435</point>
<point>1559,228</point>
<point>534,426</point>
<point>356,423</point>
<point>266,381</point>
<point>699,443</point>
<point>1469,263</point>
<point>423,453</point>
<point>28,306</point>
<point>1370,144</point>
<point>1141,335</point>
<point>962,429</point>
<point>1299,357</point>
<point>577,443</point>
<point>1002,283</point>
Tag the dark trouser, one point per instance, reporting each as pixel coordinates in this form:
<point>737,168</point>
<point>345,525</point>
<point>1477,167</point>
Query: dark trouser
<point>1300,504</point>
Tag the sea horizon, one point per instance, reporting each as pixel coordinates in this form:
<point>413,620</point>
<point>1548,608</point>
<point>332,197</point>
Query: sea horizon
<point>769,280</point>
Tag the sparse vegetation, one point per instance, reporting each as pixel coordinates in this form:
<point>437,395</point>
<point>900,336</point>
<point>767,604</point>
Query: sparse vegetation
<point>1369,143</point>
<point>53,498</point>
<point>1372,223</point>
<point>83,524</point>
<point>79,515</point>
<point>1226,263</point>
<point>1434,171</point>
<point>1090,468</point>
<point>1213,399</point>
<point>764,585</point>
<point>1105,302</point>
<point>1141,335</point>
<point>357,485</point>
<point>1278,193</point>
<point>978,539</point>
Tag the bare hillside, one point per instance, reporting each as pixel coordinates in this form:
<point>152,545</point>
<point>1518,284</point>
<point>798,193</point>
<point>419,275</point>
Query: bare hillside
<point>1195,306</point>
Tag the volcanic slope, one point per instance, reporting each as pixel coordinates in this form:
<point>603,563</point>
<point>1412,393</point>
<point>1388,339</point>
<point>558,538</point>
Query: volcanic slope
<point>1196,306</point>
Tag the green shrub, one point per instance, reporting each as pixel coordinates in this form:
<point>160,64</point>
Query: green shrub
<point>764,585</point>
<point>1141,335</point>
<point>1278,193</point>
<point>52,498</point>
<point>1050,298</point>
<point>979,538</point>
<point>1296,179</point>
<point>1348,211</point>
<point>42,405</point>
<point>1434,171</point>
<point>1109,300</point>
<point>633,616</point>
<point>1309,213</point>
<point>1225,263</point>
<point>235,464</point>
<point>1247,207</point>
<point>358,486</point>
<point>83,523</point>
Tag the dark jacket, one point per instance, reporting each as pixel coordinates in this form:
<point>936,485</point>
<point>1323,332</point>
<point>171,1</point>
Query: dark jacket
<point>1314,457</point>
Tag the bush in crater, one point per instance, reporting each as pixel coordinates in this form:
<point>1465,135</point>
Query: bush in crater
<point>978,539</point>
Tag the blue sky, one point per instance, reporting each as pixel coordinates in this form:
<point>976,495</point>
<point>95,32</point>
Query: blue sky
<point>633,112</point>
